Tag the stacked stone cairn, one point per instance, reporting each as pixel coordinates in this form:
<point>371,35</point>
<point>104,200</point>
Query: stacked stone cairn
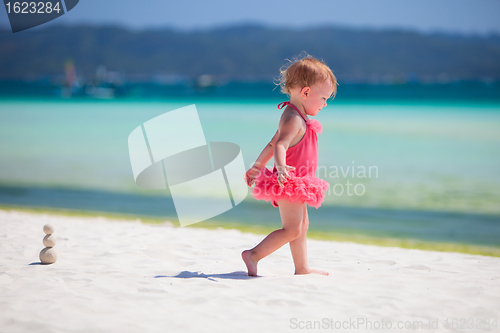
<point>48,255</point>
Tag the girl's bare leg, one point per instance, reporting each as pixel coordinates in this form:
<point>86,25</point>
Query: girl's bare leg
<point>291,218</point>
<point>298,247</point>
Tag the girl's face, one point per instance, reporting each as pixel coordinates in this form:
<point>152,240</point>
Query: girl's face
<point>314,97</point>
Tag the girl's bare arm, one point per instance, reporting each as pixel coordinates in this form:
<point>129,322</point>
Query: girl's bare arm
<point>267,152</point>
<point>289,127</point>
<point>261,161</point>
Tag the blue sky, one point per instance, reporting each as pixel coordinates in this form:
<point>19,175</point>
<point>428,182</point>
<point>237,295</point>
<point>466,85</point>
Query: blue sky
<point>462,16</point>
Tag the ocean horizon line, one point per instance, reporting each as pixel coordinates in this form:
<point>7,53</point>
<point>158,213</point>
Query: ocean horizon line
<point>150,89</point>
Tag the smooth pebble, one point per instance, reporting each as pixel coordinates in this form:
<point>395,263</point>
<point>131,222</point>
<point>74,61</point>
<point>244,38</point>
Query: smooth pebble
<point>48,229</point>
<point>49,240</point>
<point>48,255</point>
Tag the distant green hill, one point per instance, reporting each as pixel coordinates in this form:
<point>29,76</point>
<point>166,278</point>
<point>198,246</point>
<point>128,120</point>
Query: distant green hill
<point>248,52</point>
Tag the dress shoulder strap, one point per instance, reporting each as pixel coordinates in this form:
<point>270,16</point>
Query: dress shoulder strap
<point>283,104</point>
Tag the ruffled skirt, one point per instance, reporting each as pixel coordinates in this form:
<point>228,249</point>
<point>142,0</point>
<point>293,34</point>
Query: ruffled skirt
<point>308,189</point>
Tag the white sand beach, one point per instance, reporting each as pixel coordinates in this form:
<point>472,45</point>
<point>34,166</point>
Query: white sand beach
<point>123,276</point>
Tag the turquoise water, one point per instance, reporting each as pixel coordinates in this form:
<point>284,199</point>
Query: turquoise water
<point>432,156</point>
<point>435,155</point>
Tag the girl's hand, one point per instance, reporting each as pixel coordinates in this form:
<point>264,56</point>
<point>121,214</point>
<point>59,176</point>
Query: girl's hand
<point>283,173</point>
<point>251,174</point>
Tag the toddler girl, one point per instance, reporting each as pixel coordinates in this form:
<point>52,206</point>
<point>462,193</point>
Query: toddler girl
<point>292,185</point>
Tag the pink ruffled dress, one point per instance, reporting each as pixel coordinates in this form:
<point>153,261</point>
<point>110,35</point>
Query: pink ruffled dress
<point>303,186</point>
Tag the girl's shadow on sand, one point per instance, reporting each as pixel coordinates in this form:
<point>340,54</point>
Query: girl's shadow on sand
<point>238,275</point>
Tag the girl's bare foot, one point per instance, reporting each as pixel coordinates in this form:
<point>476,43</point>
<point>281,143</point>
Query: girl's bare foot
<point>251,264</point>
<point>312,271</point>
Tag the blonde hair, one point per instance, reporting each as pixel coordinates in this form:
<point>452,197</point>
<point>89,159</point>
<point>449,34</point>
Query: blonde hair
<point>305,72</point>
